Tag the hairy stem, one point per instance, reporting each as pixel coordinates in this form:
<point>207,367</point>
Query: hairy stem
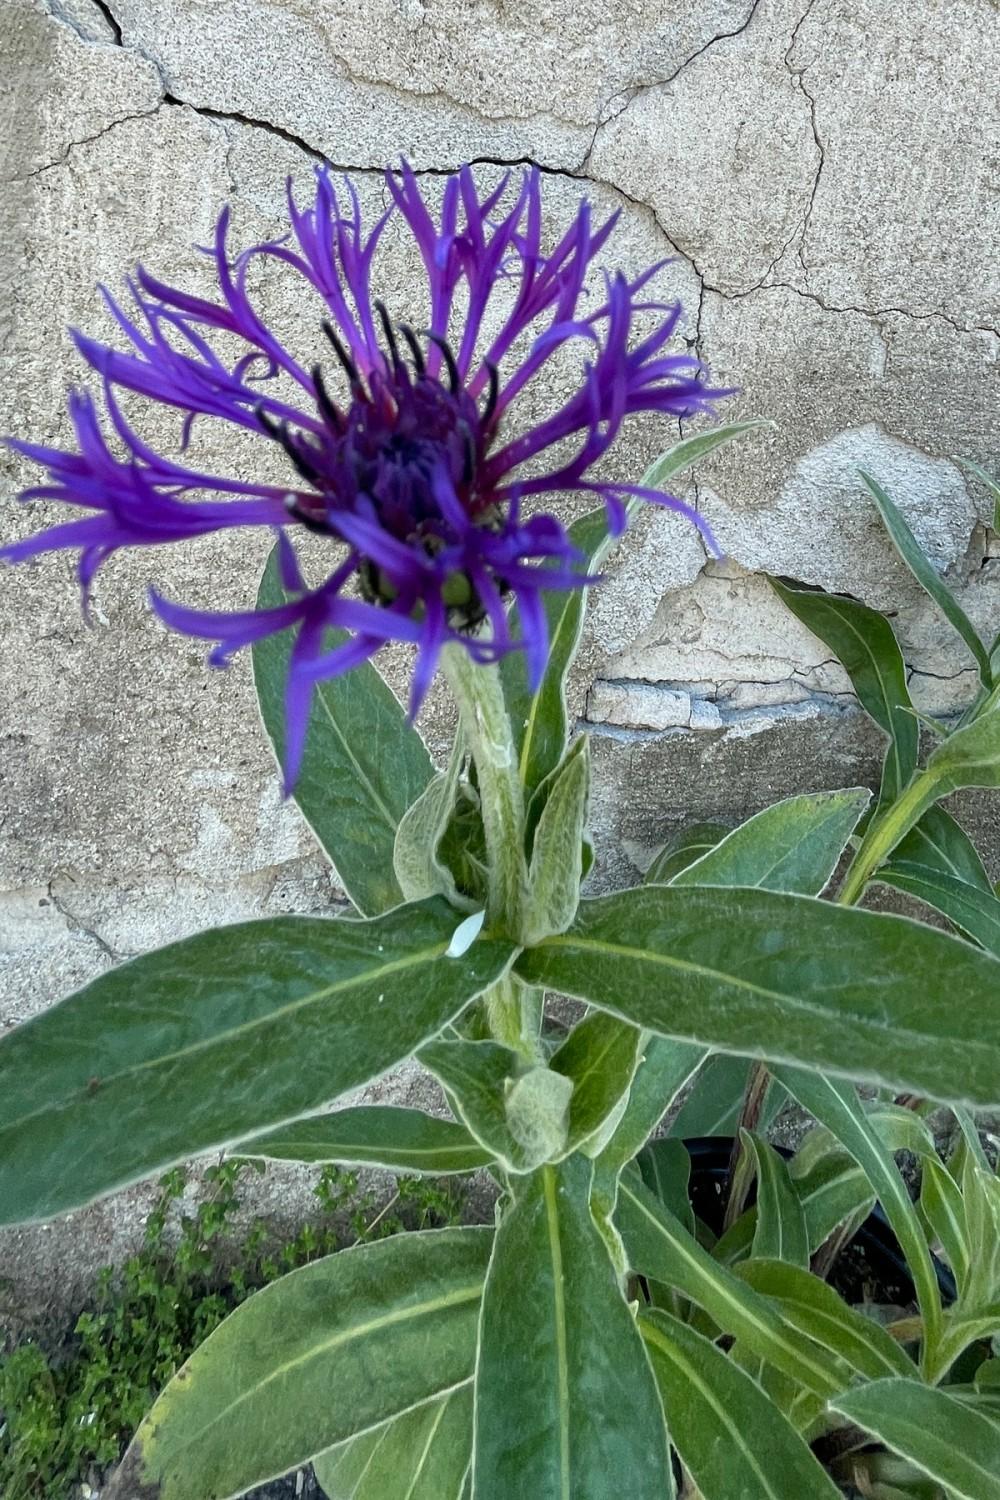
<point>479,694</point>
<point>883,836</point>
<point>741,1161</point>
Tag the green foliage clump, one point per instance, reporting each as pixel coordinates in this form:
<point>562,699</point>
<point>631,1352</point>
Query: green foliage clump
<point>64,1418</point>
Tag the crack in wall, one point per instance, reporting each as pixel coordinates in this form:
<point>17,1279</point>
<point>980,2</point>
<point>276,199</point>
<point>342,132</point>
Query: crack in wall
<point>74,924</point>
<point>640,90</point>
<point>799,75</point>
<point>87,140</point>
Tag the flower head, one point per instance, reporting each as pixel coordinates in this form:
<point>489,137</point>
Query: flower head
<point>400,447</point>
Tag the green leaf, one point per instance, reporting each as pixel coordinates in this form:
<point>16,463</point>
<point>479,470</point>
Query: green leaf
<point>424,1454</point>
<point>864,643</point>
<point>792,846</point>
<point>812,1306</point>
<point>968,757</point>
<point>520,1114</point>
<point>787,978</point>
<point>658,1246</point>
<point>666,1170</point>
<point>557,852</point>
<point>716,1098</point>
<point>337,1347</point>
<point>211,1040</point>
<point>981,1201</point>
<point>945,1438</point>
<point>991,485</point>
<point>566,1405</point>
<point>599,1058</point>
<point>417,862</point>
<point>974,911</point>
<point>663,1069</point>
<point>781,1232</point>
<point>539,721</point>
<point>831,1187</point>
<point>682,850</point>
<point>942,1205</point>
<point>363,765</point>
<point>940,843</point>
<point>691,450</point>
<point>728,1433</point>
<point>927,576</point>
<point>839,1109</point>
<point>382,1135</point>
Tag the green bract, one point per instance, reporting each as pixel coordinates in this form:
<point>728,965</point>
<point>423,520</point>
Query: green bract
<point>655,1312</point>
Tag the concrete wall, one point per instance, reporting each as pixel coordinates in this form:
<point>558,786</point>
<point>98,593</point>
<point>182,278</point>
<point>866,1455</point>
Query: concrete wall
<point>824,175</point>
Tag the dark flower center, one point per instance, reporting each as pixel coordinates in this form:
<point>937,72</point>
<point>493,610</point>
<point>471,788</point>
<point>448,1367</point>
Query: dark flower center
<point>405,453</point>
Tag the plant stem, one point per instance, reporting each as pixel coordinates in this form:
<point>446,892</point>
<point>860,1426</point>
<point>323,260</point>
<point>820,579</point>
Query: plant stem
<point>740,1168</point>
<point>884,835</point>
<point>479,694</point>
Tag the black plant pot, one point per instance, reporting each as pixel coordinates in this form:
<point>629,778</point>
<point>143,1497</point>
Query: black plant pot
<point>873,1256</point>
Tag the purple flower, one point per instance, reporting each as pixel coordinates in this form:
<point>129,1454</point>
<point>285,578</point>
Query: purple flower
<point>401,448</point>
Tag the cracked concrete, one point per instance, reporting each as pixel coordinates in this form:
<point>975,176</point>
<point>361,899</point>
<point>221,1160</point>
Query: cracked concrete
<point>823,175</point>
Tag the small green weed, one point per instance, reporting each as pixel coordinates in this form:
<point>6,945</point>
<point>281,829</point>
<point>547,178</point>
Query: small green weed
<point>62,1420</point>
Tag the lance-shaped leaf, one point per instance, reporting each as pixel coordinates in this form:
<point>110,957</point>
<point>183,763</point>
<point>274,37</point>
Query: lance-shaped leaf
<point>863,642</point>
<point>599,1058</point>
<point>714,1103</point>
<point>666,1170</point>
<point>991,485</point>
<point>944,1437</point>
<point>210,1040</point>
<point>658,1246</point>
<point>830,1184</point>
<point>379,1135</point>
<point>327,1352</point>
<point>837,1106</point>
<point>420,870</point>
<point>424,1454</point>
<point>782,1232</point>
<point>730,1436</point>
<point>566,1405</point>
<point>812,1306</point>
<point>981,1200</point>
<point>973,911</point>
<point>662,1070</point>
<point>943,1208</point>
<point>928,577</point>
<point>363,764</point>
<point>940,843</point>
<point>682,850</point>
<point>557,852</point>
<point>791,846</point>
<point>788,978</point>
<point>540,721</point>
<point>970,756</point>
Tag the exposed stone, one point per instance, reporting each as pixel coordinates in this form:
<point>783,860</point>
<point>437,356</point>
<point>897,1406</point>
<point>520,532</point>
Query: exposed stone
<point>66,83</point>
<point>723,152</point>
<point>900,203</point>
<point>438,81</point>
<point>638,706</point>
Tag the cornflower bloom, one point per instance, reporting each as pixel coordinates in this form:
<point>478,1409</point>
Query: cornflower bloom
<point>412,464</point>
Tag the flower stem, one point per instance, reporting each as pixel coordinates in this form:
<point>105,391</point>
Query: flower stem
<point>479,694</point>
<point>883,836</point>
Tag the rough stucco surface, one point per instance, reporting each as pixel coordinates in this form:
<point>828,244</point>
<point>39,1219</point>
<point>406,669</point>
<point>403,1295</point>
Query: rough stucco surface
<point>825,178</point>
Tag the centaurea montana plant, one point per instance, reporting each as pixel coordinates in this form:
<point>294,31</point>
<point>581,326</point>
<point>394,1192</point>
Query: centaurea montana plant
<point>597,1340</point>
